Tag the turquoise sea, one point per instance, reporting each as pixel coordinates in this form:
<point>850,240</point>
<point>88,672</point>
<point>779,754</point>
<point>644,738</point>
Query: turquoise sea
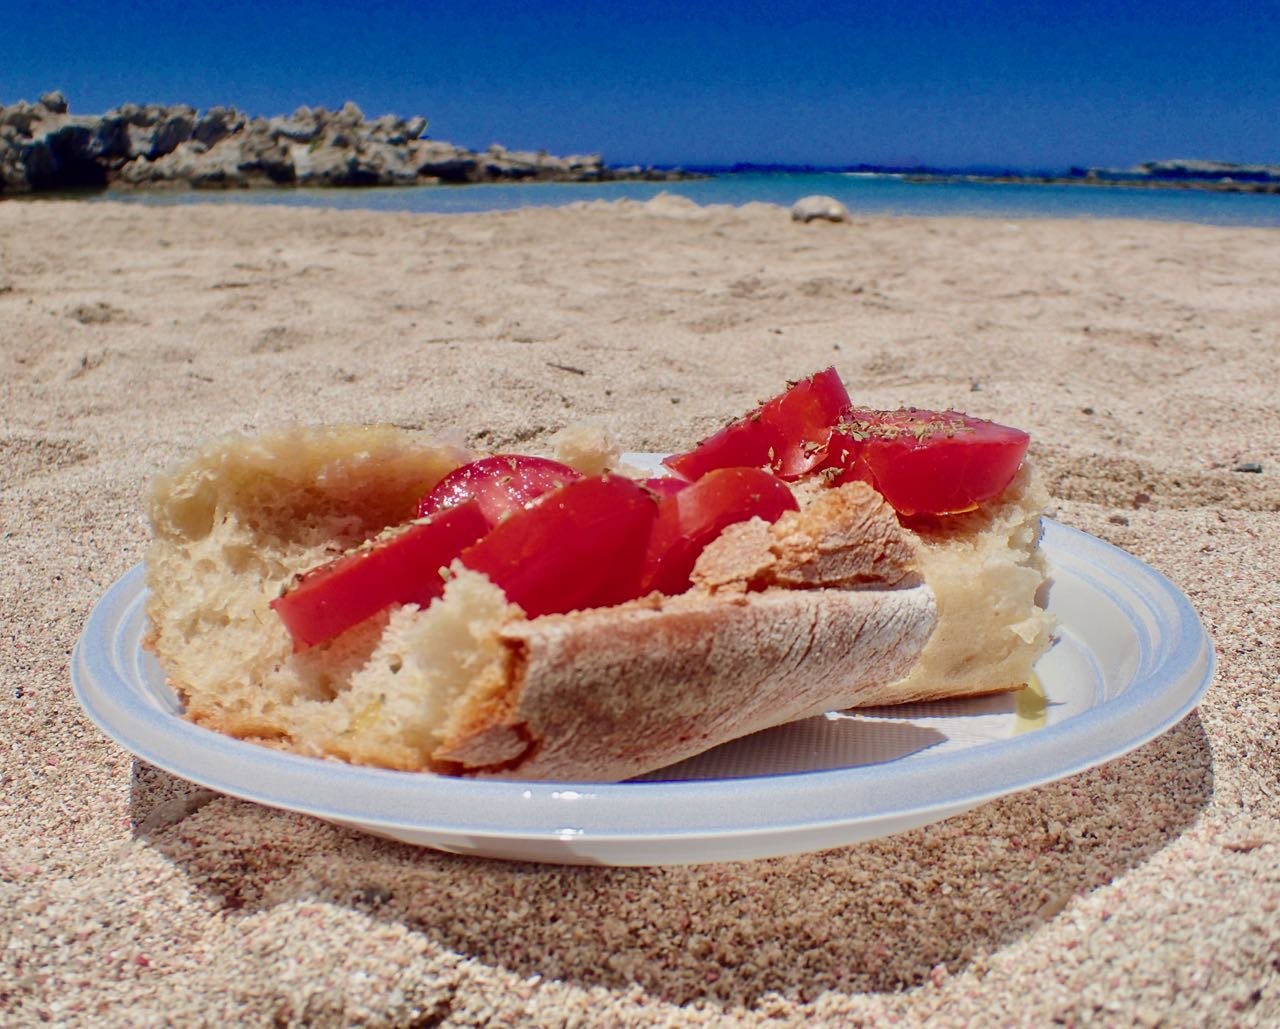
<point>862,193</point>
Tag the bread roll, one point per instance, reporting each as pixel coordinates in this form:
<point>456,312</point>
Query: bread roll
<point>833,606</point>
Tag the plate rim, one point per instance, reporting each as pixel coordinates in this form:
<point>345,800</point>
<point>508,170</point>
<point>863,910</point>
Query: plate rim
<point>560,811</point>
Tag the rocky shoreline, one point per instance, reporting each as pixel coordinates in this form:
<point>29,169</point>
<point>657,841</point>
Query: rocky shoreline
<point>44,147</point>
<point>1211,176</point>
<point>1215,176</point>
<point>1223,184</point>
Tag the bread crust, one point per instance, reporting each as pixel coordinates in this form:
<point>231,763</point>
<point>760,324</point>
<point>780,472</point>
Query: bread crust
<point>610,693</point>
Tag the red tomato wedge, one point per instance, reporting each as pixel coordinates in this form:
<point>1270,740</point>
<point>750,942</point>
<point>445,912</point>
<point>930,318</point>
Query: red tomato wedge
<point>789,433</point>
<point>499,484</point>
<point>800,422</point>
<point>400,569</point>
<point>741,444</point>
<point>691,518</point>
<point>579,546</point>
<point>929,462</point>
<point>665,485</point>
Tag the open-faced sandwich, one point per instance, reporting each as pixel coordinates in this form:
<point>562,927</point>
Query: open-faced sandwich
<point>357,593</point>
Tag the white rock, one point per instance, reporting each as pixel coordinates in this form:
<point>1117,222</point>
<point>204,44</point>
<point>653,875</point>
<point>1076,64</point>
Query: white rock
<point>806,209</point>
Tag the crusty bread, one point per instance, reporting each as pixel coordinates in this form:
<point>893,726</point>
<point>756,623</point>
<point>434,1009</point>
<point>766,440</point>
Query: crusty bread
<point>987,572</point>
<point>232,526</point>
<point>819,611</point>
<point>469,686</point>
<point>985,569</point>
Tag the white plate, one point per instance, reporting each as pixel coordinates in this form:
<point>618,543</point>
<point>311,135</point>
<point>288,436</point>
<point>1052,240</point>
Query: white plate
<point>1130,660</point>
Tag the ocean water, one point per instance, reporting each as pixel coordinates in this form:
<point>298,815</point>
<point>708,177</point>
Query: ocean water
<point>863,194</point>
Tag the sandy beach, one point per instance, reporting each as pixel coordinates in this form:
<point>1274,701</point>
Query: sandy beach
<point>1142,356</point>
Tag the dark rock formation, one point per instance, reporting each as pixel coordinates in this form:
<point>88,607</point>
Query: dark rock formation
<point>1213,176</point>
<point>44,147</point>
<point>1210,171</point>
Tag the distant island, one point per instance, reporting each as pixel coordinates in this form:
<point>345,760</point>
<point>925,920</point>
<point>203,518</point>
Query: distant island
<point>44,147</point>
<point>1219,176</point>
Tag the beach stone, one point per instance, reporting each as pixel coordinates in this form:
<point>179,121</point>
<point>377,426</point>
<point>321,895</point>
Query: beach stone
<point>369,164</point>
<point>130,132</point>
<point>301,127</point>
<point>263,157</point>
<point>13,169</point>
<point>190,163</point>
<point>54,102</point>
<point>112,141</point>
<point>816,207</point>
<point>413,128</point>
<point>443,161</point>
<point>383,164</point>
<point>349,116</point>
<point>318,166</point>
<point>172,127</point>
<point>501,163</point>
<point>216,124</point>
<point>395,130</point>
<point>60,156</point>
<point>239,160</point>
<point>590,167</point>
<point>12,118</point>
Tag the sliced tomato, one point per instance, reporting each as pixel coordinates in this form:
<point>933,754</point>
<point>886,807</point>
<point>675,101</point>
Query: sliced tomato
<point>665,485</point>
<point>800,422</point>
<point>579,546</point>
<point>741,444</point>
<point>789,433</point>
<point>929,462</point>
<point>690,519</point>
<point>404,568</point>
<point>500,484</point>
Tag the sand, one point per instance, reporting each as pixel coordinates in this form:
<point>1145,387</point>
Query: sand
<point>1142,356</point>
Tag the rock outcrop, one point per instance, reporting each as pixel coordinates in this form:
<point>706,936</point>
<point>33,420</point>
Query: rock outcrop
<point>1214,171</point>
<point>1214,176</point>
<point>45,147</point>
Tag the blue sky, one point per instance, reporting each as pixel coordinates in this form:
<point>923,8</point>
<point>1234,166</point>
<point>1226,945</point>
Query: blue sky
<point>1031,85</point>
